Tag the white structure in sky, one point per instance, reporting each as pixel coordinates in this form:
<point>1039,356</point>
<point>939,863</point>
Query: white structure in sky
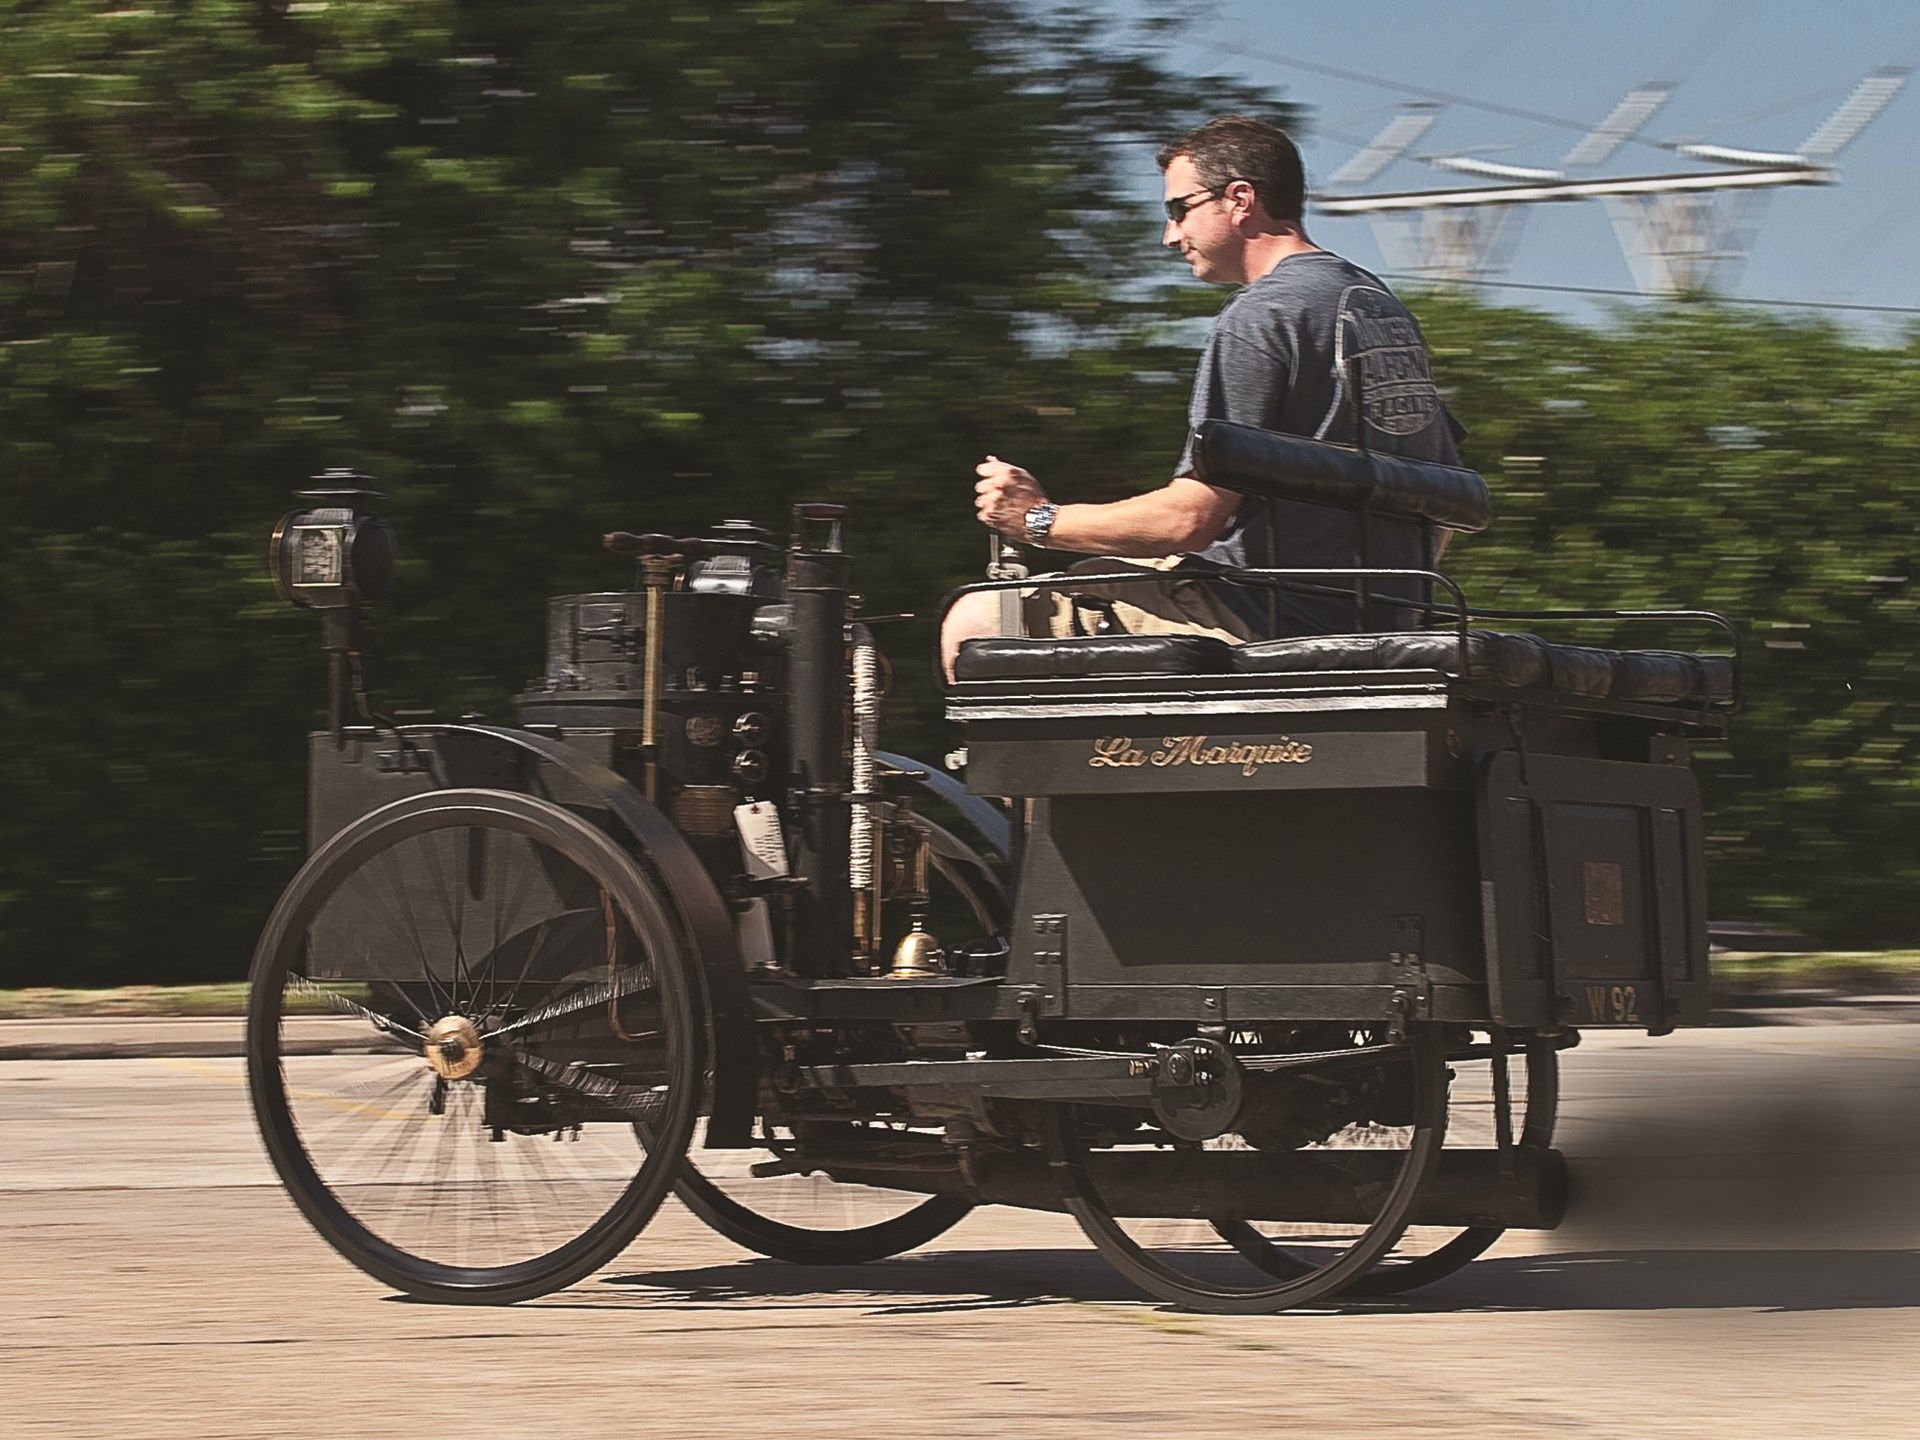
<point>1681,232</point>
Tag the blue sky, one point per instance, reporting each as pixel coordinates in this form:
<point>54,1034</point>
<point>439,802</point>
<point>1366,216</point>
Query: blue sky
<point>1758,74</point>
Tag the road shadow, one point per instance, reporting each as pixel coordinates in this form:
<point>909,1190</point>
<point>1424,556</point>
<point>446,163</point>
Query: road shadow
<point>938,1282</point>
<point>1773,1280</point>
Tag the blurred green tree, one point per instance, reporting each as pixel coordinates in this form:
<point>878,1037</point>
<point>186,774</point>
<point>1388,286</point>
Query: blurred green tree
<point>546,271</point>
<point>1701,455</point>
<point>542,271</point>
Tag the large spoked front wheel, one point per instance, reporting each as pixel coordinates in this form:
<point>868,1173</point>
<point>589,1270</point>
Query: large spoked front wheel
<point>472,1045</point>
<point>1167,1211</point>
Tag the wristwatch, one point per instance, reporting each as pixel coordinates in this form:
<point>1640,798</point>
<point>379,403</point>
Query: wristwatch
<point>1040,522</point>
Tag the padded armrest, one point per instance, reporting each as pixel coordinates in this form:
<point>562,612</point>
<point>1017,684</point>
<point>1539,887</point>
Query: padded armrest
<point>1288,467</point>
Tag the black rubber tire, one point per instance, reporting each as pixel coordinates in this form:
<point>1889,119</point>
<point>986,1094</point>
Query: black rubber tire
<point>748,1228</point>
<point>1273,1293</point>
<point>620,878</point>
<point>1391,1276</point>
<point>798,1245</point>
<point>1395,1276</point>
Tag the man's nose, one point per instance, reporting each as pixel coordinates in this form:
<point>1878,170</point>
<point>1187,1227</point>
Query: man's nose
<point>1170,236</point>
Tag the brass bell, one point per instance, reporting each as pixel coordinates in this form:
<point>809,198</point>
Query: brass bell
<point>918,956</point>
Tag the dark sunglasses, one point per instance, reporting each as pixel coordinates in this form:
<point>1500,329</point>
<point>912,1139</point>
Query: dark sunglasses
<point>1179,205</point>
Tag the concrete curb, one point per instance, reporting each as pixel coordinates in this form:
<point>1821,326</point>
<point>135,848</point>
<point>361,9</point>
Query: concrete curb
<point>155,1037</point>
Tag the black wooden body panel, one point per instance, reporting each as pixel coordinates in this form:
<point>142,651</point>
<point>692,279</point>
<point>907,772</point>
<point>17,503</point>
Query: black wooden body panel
<point>1139,744</point>
<point>1149,897</point>
<point>1328,854</point>
<point>1594,889</point>
<point>349,780</point>
<point>1139,755</point>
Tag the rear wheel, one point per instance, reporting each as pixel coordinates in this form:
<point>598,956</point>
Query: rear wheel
<point>1171,1213</point>
<point>472,1045</point>
<point>1477,1083</point>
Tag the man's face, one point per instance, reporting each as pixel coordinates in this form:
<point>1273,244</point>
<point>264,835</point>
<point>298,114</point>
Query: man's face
<point>1205,237</point>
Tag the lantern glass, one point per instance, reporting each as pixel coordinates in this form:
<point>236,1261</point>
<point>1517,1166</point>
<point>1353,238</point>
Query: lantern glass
<point>319,554</point>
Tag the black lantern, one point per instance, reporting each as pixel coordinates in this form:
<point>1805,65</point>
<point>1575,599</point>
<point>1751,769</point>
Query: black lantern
<point>338,553</point>
<point>333,557</point>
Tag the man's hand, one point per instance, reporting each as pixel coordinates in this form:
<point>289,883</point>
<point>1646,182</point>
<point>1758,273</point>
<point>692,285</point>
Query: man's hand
<point>1003,495</point>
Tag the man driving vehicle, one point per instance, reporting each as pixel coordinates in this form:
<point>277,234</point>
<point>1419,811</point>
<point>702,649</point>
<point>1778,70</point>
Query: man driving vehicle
<point>1285,351</point>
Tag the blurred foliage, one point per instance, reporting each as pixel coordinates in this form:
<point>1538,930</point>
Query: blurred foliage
<point>545,271</point>
<point>1702,456</point>
<point>542,271</point>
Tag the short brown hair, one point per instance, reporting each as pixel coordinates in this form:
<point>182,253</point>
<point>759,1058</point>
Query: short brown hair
<point>1239,147</point>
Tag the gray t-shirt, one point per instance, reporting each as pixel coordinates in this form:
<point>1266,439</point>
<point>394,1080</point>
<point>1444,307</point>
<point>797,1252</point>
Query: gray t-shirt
<point>1278,357</point>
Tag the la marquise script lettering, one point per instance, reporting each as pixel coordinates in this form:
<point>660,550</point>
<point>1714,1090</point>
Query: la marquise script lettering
<point>1120,752</point>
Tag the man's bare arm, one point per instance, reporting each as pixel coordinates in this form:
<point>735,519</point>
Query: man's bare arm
<point>1182,516</point>
<point>1185,515</point>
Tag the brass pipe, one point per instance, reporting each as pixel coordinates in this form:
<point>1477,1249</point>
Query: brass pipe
<point>656,574</point>
<point>877,818</point>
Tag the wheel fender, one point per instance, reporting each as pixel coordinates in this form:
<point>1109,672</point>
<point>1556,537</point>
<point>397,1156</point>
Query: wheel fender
<point>988,823</point>
<point>704,916</point>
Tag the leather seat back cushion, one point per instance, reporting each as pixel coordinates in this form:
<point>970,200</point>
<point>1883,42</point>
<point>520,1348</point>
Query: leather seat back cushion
<point>1008,657</point>
<point>1264,462</point>
<point>1668,677</point>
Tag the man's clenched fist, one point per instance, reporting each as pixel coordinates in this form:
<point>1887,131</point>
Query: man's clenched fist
<point>1003,495</point>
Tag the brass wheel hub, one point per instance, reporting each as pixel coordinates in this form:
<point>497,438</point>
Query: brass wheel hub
<point>453,1047</point>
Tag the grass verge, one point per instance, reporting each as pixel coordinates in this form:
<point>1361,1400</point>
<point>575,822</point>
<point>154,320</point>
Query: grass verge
<point>51,1003</point>
<point>1880,972</point>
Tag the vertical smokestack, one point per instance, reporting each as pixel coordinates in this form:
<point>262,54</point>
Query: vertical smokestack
<point>817,699</point>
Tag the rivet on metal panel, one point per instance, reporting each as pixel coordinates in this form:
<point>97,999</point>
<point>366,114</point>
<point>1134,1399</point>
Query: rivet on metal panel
<point>1029,1005</point>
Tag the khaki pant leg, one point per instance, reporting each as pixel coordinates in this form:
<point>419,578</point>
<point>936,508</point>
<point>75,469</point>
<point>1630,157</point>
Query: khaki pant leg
<point>1184,606</point>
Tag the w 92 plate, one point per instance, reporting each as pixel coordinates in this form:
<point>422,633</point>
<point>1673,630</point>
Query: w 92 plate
<point>1621,1004</point>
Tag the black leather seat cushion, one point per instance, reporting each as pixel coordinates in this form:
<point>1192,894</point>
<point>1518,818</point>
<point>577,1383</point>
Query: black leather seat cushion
<point>1516,660</point>
<point>1007,657</point>
<point>1520,662</point>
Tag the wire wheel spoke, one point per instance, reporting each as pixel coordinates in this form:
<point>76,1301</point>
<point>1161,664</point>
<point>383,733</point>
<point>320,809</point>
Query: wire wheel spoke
<point>433,1050</point>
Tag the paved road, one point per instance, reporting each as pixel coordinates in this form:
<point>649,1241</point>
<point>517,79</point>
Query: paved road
<point>1743,1256</point>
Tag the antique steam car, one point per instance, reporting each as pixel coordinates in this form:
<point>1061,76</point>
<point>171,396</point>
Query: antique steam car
<point>1255,960</point>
